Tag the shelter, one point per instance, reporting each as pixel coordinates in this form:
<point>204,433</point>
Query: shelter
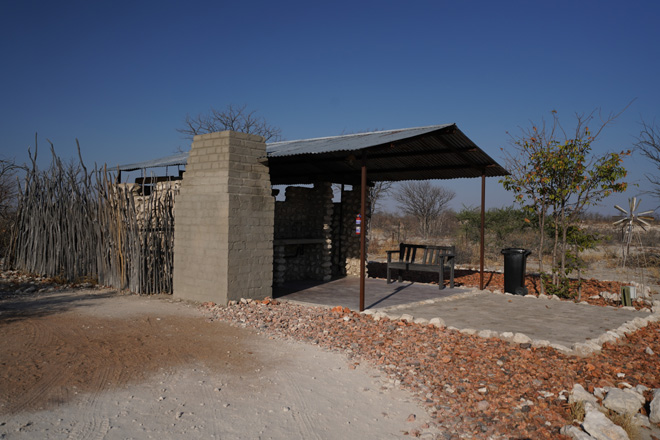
<point>243,164</point>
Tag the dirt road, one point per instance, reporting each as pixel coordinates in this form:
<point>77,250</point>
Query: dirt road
<point>92,364</point>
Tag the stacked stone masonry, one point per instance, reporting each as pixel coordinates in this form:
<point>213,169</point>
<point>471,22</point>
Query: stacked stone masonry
<point>303,234</point>
<point>315,238</point>
<point>346,253</point>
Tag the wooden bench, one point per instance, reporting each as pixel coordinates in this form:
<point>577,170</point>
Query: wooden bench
<point>424,258</point>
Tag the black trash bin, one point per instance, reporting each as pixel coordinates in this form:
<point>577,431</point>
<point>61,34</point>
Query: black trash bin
<point>515,260</point>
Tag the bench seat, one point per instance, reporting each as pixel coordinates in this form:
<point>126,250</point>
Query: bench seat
<point>424,258</point>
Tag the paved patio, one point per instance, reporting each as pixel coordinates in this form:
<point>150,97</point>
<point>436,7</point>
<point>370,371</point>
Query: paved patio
<point>560,322</point>
<point>345,292</point>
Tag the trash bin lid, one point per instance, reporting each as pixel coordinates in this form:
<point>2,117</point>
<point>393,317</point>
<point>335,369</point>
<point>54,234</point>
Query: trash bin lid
<point>516,251</point>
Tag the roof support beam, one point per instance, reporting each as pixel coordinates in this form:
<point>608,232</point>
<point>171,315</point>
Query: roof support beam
<point>351,176</point>
<point>483,227</point>
<point>363,214</point>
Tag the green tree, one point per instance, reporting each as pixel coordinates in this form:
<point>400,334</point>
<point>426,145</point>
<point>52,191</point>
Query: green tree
<point>559,175</point>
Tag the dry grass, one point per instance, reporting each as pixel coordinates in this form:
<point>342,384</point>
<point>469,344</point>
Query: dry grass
<point>577,411</point>
<point>625,421</point>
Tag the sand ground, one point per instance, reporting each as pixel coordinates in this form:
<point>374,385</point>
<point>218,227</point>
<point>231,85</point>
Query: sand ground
<point>94,364</point>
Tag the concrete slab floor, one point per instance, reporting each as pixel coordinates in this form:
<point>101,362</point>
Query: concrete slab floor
<point>560,322</point>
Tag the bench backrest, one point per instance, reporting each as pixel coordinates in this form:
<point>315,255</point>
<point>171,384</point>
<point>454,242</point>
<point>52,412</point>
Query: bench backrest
<point>425,254</point>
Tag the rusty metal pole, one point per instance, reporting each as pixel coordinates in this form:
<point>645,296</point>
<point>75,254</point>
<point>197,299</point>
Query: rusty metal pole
<point>483,221</point>
<point>363,233</point>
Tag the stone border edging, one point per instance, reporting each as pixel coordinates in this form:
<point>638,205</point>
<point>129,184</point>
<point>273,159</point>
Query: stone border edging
<point>578,348</point>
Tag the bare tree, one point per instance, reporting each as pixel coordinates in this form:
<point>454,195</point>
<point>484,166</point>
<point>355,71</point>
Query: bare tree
<point>235,118</point>
<point>8,197</point>
<point>424,201</point>
<point>648,143</point>
<point>376,194</point>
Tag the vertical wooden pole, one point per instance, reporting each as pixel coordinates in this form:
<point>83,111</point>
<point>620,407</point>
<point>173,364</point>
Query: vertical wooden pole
<point>363,232</point>
<point>483,221</point>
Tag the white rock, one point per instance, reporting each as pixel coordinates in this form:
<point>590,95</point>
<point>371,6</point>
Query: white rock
<point>585,348</point>
<point>482,405</point>
<point>649,351</point>
<point>575,433</point>
<point>607,337</point>
<point>438,322</point>
<point>654,414</point>
<point>507,336</point>
<point>602,428</point>
<point>421,321</point>
<point>407,317</point>
<point>487,334</point>
<point>541,343</point>
<point>579,394</point>
<point>521,338</point>
<point>468,331</point>
<point>641,420</point>
<point>623,401</point>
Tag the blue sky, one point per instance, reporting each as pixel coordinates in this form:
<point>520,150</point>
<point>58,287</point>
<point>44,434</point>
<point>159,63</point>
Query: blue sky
<point>121,76</point>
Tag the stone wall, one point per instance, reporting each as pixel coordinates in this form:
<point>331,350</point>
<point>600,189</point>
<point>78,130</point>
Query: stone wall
<point>303,240</point>
<point>346,250</point>
<point>224,221</point>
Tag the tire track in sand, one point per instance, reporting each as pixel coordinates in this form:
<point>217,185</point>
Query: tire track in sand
<point>300,408</point>
<point>36,335</point>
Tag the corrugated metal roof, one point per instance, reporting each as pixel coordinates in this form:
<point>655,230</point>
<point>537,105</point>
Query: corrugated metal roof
<point>349,142</point>
<point>176,159</point>
<point>421,153</point>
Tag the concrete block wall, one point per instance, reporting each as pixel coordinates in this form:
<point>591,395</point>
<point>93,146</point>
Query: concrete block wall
<point>224,221</point>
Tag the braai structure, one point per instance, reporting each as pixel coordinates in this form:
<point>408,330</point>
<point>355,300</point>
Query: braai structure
<point>233,239</point>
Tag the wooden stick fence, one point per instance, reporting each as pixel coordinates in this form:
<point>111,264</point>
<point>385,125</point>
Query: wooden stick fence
<point>79,225</point>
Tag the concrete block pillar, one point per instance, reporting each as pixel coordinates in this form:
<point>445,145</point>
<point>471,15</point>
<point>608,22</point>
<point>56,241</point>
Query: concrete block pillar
<point>224,221</point>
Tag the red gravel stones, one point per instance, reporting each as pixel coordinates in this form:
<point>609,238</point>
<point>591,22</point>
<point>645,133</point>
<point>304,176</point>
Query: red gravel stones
<point>483,388</point>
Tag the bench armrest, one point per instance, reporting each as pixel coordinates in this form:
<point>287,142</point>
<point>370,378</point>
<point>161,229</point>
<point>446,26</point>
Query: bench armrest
<point>389,255</point>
